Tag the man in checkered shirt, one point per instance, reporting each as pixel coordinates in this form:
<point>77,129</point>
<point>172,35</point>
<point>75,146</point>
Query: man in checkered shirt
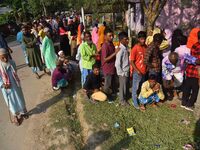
<point>191,86</point>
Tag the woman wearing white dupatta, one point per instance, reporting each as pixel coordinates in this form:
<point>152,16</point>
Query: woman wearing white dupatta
<point>11,89</point>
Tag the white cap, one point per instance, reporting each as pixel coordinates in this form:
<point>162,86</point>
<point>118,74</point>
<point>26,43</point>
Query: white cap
<point>46,30</point>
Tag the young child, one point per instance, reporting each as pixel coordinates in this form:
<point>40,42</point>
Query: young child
<point>151,92</point>
<point>138,67</point>
<point>61,55</point>
<point>93,84</point>
<point>69,68</point>
<point>122,67</point>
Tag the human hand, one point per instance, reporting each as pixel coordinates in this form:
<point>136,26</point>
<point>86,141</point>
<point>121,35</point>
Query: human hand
<point>117,49</point>
<point>156,88</point>
<point>96,90</point>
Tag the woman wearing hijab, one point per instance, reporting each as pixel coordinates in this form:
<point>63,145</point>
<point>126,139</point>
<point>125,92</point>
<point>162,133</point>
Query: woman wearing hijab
<point>33,52</point>
<point>11,88</point>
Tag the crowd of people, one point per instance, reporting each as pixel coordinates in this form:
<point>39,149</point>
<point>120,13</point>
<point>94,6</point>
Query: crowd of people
<point>159,67</point>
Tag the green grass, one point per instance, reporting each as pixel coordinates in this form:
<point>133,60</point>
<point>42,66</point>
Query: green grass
<point>62,116</point>
<point>157,128</point>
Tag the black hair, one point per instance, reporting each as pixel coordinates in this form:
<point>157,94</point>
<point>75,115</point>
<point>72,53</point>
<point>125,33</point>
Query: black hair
<point>182,40</point>
<point>95,66</point>
<point>107,30</point>
<point>122,35</point>
<point>142,34</point>
<point>158,38</point>
<point>87,32</point>
<point>198,35</point>
<point>152,77</point>
<point>104,23</point>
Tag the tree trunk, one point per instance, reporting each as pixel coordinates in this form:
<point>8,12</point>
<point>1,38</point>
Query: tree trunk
<point>44,7</point>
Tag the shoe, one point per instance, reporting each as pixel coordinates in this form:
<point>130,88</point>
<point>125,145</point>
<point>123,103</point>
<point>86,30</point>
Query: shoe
<point>182,106</point>
<point>189,108</point>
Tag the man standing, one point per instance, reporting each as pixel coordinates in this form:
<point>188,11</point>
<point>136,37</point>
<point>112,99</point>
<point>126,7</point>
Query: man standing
<point>152,56</point>
<point>138,66</point>
<point>48,51</point>
<point>108,55</point>
<point>11,88</point>
<point>191,84</point>
<point>122,66</point>
<point>88,54</point>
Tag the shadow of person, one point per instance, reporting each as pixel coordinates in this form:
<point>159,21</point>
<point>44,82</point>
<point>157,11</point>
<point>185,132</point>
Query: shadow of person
<point>96,139</point>
<point>123,144</point>
<point>197,135</point>
<point>42,107</point>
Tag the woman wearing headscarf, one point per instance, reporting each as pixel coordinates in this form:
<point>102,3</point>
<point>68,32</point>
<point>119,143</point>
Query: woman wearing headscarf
<point>11,88</point>
<point>33,52</point>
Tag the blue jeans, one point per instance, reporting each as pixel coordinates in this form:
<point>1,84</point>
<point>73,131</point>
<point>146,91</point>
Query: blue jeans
<point>153,98</point>
<point>135,85</point>
<point>84,74</point>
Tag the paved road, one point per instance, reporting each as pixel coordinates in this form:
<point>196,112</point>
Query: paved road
<point>19,138</point>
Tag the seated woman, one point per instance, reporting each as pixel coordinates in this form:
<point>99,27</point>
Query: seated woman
<point>151,92</point>
<point>59,77</point>
<point>92,85</point>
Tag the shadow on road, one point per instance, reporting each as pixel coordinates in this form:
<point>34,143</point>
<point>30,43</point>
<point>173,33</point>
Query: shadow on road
<point>42,107</point>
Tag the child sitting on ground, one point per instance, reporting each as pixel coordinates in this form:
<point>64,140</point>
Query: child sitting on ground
<point>59,77</point>
<point>93,84</point>
<point>61,55</point>
<point>151,92</point>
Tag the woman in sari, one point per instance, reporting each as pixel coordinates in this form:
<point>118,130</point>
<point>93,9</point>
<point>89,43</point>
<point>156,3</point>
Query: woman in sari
<point>11,88</point>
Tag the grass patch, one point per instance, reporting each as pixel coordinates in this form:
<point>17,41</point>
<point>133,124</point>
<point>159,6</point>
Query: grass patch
<point>157,128</point>
<point>63,116</point>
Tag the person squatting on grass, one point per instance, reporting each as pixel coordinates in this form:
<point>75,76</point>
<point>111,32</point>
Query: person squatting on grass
<point>93,84</point>
<point>151,92</point>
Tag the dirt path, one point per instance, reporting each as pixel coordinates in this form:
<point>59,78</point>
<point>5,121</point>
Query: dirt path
<point>23,137</point>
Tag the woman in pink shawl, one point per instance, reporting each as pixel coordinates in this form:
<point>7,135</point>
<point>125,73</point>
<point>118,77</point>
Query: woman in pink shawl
<point>95,36</point>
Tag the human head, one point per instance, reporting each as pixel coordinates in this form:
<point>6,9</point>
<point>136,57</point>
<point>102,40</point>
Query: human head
<point>152,80</point>
<point>173,58</point>
<point>104,23</point>
<point>88,37</point>
<point>24,30</point>
<point>61,54</point>
<point>96,69</point>
<point>3,55</point>
<point>47,32</point>
<point>96,24</point>
<point>182,40</point>
<point>108,33</point>
<point>59,64</point>
<point>142,37</point>
<point>157,39</point>
<point>123,38</point>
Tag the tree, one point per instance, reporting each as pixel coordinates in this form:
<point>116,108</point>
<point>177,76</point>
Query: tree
<point>152,10</point>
